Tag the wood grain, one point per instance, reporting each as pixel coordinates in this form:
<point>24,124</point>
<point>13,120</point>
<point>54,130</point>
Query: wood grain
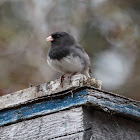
<point>83,123</point>
<point>46,89</point>
<point>110,127</point>
<point>108,102</point>
<point>47,127</point>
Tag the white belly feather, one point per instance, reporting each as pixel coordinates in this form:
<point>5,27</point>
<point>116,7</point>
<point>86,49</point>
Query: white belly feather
<point>66,65</point>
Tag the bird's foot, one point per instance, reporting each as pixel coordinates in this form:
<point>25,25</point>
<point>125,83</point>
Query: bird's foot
<point>61,80</point>
<point>71,76</point>
<point>90,71</point>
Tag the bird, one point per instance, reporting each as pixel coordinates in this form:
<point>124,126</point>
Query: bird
<point>67,56</point>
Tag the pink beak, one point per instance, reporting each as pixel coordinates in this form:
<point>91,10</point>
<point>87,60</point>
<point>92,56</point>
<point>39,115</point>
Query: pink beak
<point>49,38</point>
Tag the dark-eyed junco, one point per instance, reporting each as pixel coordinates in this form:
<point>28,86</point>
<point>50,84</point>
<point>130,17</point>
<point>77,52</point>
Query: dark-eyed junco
<point>66,55</point>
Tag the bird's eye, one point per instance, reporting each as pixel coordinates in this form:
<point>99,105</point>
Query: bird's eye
<point>58,35</point>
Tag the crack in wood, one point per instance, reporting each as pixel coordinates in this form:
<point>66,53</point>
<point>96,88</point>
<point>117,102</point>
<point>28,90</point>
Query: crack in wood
<point>88,129</point>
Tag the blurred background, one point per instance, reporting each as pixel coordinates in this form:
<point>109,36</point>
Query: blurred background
<point>109,30</point>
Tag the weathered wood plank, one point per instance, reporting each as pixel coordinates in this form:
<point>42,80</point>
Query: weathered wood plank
<point>51,126</point>
<point>45,106</point>
<point>97,98</point>
<point>47,89</point>
<point>112,102</point>
<point>110,127</point>
<point>84,123</point>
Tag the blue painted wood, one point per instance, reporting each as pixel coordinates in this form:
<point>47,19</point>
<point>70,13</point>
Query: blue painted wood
<point>105,101</point>
<point>44,107</point>
<point>107,105</point>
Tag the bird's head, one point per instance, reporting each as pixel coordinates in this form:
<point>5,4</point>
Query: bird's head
<point>61,39</point>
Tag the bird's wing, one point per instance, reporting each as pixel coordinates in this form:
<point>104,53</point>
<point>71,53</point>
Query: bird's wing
<point>78,51</point>
<point>79,48</point>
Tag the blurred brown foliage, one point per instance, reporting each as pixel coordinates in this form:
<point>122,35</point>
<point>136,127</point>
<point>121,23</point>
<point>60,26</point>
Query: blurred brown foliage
<point>109,31</point>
